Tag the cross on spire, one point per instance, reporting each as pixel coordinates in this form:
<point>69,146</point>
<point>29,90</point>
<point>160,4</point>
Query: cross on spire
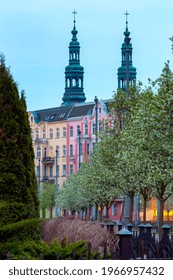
<point>126,14</point>
<point>74,15</point>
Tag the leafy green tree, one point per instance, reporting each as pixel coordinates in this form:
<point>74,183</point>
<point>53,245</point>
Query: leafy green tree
<point>18,185</point>
<point>151,133</point>
<point>48,197</point>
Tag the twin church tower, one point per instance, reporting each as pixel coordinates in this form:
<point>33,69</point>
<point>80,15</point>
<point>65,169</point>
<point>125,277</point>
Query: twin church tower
<point>74,72</point>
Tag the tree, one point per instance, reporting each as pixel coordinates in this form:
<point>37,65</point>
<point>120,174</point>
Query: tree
<point>18,185</point>
<point>48,197</point>
<point>151,133</point>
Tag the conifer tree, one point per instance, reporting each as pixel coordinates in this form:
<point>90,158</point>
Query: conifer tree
<point>18,185</point>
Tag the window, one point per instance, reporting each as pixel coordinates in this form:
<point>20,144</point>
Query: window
<point>64,132</point>
<point>100,126</point>
<point>51,133</point>
<point>64,170</point>
<point>57,149</point>
<point>88,148</point>
<point>106,127</point>
<point>45,170</point>
<point>51,151</point>
<point>71,131</point>
<point>44,133</point>
<point>94,128</point>
<point>78,128</point>
<point>38,170</point>
<point>57,133</point>
<point>32,134</point>
<point>37,134</point>
<point>64,150</point>
<point>93,144</point>
<point>38,152</point>
<point>71,169</point>
<point>45,152</point>
<point>81,149</point>
<point>86,129</point>
<point>114,209</point>
<point>51,171</point>
<point>71,150</point>
<point>57,170</point>
<point>100,110</point>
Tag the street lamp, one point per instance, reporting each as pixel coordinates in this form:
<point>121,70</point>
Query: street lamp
<point>39,177</point>
<point>56,194</point>
<point>79,147</point>
<point>96,111</point>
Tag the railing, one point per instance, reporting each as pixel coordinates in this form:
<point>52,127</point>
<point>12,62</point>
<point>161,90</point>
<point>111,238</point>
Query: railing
<point>48,179</point>
<point>129,243</point>
<point>143,241</point>
<point>48,160</point>
<point>40,141</point>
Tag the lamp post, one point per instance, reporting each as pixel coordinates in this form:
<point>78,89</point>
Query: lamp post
<point>96,111</point>
<point>56,194</point>
<point>39,177</point>
<point>79,147</point>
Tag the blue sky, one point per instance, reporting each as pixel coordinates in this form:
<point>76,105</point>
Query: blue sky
<point>35,34</point>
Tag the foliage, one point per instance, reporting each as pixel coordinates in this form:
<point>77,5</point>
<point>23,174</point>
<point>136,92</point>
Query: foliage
<point>31,250</point>
<point>48,197</point>
<point>28,228</point>
<point>18,185</point>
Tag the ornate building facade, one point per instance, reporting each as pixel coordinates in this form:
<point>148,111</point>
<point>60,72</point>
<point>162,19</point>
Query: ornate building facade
<point>65,136</point>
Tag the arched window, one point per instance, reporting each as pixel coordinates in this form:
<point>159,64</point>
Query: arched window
<point>57,149</point>
<point>100,125</point>
<point>86,129</point>
<point>64,150</point>
<point>78,128</point>
<point>37,134</point>
<point>57,132</point>
<point>64,132</point>
<point>44,133</point>
<point>71,150</point>
<point>38,152</point>
<point>94,128</point>
<point>51,133</point>
<point>71,131</point>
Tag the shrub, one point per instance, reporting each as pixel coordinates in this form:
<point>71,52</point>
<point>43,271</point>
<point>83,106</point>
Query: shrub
<point>32,250</point>
<point>21,230</point>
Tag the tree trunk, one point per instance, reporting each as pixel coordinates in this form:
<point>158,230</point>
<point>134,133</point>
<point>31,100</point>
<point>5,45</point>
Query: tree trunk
<point>122,212</point>
<point>144,209</point>
<point>160,220</point>
<point>131,208</point>
<point>107,210</point>
<point>50,210</point>
<point>96,212</point>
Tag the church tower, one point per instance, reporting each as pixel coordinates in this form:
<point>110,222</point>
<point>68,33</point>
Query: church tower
<point>74,73</point>
<point>126,73</point>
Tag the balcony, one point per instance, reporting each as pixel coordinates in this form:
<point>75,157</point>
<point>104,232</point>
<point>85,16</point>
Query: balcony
<point>72,158</point>
<point>40,141</point>
<point>48,160</point>
<point>48,179</point>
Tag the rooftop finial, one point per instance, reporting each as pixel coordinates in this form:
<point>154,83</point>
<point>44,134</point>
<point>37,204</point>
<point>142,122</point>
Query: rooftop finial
<point>126,14</point>
<point>74,17</point>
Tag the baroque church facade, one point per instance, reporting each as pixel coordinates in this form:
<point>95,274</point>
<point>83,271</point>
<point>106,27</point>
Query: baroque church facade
<point>64,137</point>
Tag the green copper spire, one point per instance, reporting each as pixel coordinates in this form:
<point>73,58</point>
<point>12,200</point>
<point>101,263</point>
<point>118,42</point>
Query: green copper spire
<point>74,72</point>
<point>126,73</point>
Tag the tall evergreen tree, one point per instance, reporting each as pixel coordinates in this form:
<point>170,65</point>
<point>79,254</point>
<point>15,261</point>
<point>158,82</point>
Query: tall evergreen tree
<point>18,185</point>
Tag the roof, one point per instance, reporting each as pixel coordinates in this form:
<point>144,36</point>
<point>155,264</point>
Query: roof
<point>52,114</point>
<point>65,112</point>
<point>81,110</point>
